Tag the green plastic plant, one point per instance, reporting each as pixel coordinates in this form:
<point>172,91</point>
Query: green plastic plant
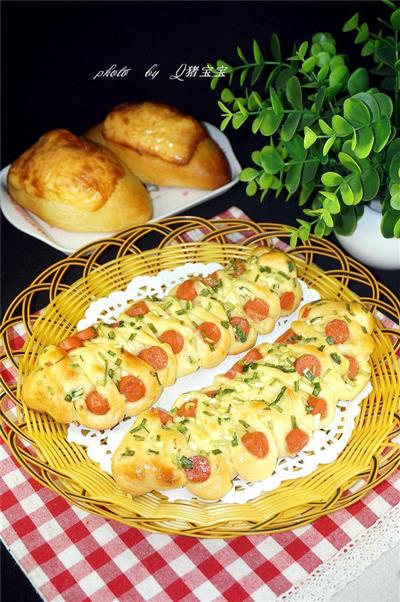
<point>330,137</point>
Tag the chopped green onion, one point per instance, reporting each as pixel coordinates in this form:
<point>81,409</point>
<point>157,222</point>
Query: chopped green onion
<point>336,358</point>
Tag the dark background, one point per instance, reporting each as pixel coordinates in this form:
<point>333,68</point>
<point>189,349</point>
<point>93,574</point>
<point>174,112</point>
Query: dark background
<point>52,50</point>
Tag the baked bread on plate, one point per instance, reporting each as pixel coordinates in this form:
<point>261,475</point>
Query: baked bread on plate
<point>76,185</point>
<point>163,146</point>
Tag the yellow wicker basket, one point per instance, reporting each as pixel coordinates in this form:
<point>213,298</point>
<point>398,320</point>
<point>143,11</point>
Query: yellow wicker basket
<point>40,445</point>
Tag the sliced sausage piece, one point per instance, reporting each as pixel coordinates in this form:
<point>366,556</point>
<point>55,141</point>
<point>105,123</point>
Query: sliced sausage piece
<point>211,280</point>
<point>287,300</point>
<point>241,327</point>
<point>319,405</point>
<point>307,362</point>
<point>187,290</point>
<point>137,309</point>
<point>174,339</point>
<point>238,267</point>
<point>252,356</point>
<point>338,330</point>
<point>236,369</point>
<point>200,470</point>
<point>87,334</point>
<point>354,367</point>
<point>305,311</point>
<point>210,332</point>
<point>96,403</point>
<point>257,309</point>
<point>72,342</point>
<point>287,336</point>
<point>155,356</point>
<point>256,444</point>
<point>132,387</point>
<point>164,416</point>
<point>296,439</point>
<point>188,409</point>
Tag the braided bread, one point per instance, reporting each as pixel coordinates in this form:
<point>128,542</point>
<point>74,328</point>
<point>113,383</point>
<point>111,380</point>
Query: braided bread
<point>265,407</point>
<point>107,371</point>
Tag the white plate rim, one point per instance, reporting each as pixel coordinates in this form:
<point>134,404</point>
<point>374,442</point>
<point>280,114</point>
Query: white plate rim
<point>30,224</point>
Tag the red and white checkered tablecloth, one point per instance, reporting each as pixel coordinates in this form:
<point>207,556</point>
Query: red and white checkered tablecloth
<point>71,555</point>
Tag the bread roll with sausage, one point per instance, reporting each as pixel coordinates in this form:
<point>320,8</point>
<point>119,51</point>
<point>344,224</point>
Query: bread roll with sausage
<point>76,185</point>
<point>163,146</point>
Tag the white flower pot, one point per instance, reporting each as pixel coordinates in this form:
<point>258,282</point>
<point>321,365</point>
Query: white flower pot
<point>367,243</point>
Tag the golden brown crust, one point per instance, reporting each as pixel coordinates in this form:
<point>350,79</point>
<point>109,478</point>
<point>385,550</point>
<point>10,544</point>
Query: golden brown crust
<point>154,128</point>
<point>76,185</point>
<point>207,168</point>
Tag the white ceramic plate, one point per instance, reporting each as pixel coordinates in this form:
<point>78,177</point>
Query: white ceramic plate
<point>166,200</point>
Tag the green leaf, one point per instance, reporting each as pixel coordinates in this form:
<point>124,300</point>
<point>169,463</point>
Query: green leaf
<point>322,74</point>
<point>346,222</point>
<point>225,123</point>
<point>307,118</point>
<point>257,71</point>
<point>356,112</point>
<point>214,83</point>
<point>239,105</point>
<point>258,56</point>
<point>394,168</point>
<point>392,150</point>
<point>319,228</point>
<point>255,126</point>
<point>331,178</point>
<point>241,54</point>
<point>254,101</point>
<point>395,196</point>
<point>295,148</point>
<point>309,137</point>
<point>292,179</point>
<point>309,64</point>
<point>256,158</point>
<point>247,174</point>
<point>327,146</point>
<point>385,55</point>
<point>385,103</point>
<point>276,47</point>
<point>289,127</point>
<point>293,238</point>
<point>323,58</point>
<point>370,183</point>
<point>265,180</point>
<point>309,171</point>
<point>351,23</point>
<point>332,205</point>
<point>325,128</point>
<point>243,76</point>
<point>326,216</point>
<point>270,123</point>
<point>271,160</point>
<point>226,95</point>
<point>238,120</point>
<point>395,19</point>
<point>358,81</point>
<point>346,194</point>
<point>277,106</point>
<point>338,75</point>
<point>336,61</point>
<point>382,131</point>
<point>319,100</point>
<point>251,188</point>
<point>389,222</point>
<point>368,48</point>
<point>341,126</point>
<point>368,98</point>
<point>356,188</point>
<point>293,93</point>
<point>363,34</point>
<point>364,140</point>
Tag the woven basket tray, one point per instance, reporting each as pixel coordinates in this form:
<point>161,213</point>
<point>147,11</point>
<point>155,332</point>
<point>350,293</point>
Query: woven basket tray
<point>39,444</point>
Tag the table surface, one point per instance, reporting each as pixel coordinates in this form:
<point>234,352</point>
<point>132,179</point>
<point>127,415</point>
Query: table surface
<point>62,93</point>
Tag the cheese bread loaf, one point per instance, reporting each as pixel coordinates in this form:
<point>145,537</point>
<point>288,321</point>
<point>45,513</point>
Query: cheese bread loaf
<point>163,146</point>
<point>77,185</point>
